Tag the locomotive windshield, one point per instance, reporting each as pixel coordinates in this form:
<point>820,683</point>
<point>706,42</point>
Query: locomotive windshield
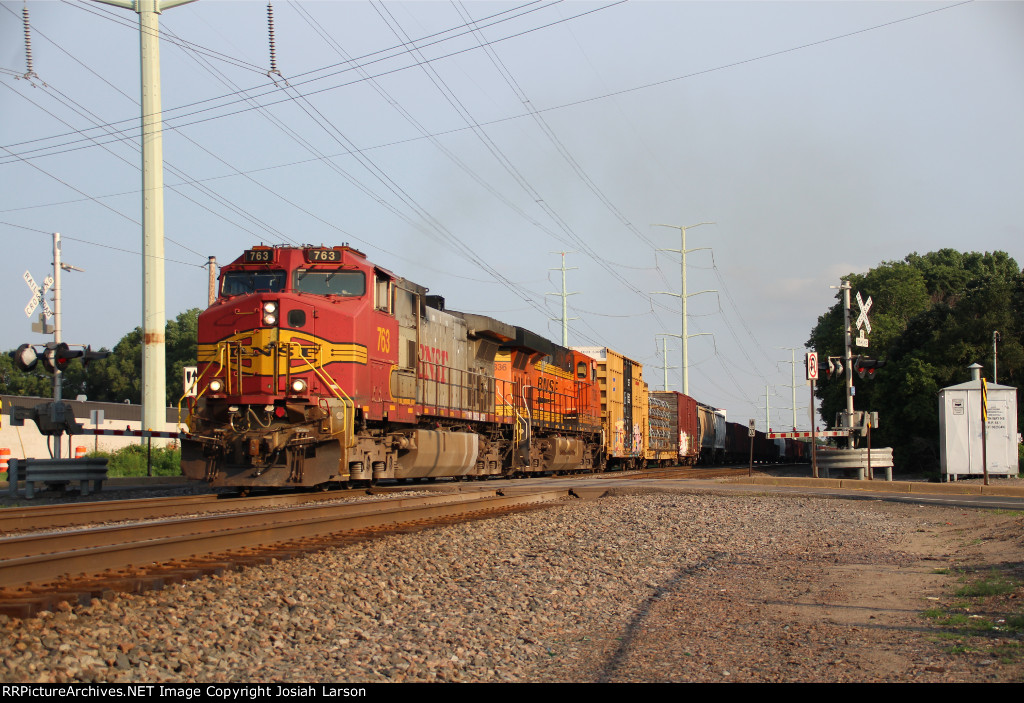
<point>334,282</point>
<point>245,282</point>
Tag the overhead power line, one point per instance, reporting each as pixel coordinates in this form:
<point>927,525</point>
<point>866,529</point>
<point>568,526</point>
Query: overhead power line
<point>263,92</point>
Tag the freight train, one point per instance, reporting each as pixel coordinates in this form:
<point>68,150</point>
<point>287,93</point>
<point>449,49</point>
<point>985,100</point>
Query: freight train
<point>319,368</point>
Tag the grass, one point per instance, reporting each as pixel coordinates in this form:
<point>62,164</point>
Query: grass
<point>985,617</point>
<point>1008,652</point>
<point>993,584</point>
<point>132,461</point>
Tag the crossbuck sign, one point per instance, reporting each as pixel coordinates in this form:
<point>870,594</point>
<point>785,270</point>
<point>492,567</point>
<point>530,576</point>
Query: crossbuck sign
<point>862,321</point>
<point>37,295</point>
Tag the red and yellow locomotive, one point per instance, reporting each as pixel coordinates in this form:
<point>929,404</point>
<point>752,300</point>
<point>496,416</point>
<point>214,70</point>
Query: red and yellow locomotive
<point>318,367</point>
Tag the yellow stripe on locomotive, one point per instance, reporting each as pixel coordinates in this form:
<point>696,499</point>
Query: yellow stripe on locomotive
<point>256,349</point>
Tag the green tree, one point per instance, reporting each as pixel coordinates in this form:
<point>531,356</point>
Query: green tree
<point>119,376</point>
<point>14,381</point>
<point>933,315</point>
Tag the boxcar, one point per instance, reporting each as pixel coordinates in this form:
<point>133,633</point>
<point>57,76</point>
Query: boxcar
<point>623,406</point>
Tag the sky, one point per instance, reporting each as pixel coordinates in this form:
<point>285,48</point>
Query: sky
<point>465,145</point>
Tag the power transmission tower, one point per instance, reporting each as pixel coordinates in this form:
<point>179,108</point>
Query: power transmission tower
<point>666,367</point>
<point>565,296</point>
<point>793,386</point>
<point>683,251</point>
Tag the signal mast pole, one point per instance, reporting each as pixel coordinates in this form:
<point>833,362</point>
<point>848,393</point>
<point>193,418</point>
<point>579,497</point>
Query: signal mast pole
<point>58,375</point>
<point>154,318</point>
<point>847,356</point>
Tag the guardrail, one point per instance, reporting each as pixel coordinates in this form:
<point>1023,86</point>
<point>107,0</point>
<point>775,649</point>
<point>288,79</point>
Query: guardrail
<point>856,460</point>
<point>56,472</point>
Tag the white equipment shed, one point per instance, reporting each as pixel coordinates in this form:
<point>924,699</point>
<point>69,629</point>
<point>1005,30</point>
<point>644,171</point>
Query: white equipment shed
<point>960,435</point>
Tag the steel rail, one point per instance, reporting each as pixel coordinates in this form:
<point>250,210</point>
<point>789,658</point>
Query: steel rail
<point>35,559</point>
<point>42,517</point>
<point>41,543</point>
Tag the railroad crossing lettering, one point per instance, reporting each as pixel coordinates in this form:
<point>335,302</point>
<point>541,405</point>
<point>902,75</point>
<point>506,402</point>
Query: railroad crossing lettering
<point>37,294</point>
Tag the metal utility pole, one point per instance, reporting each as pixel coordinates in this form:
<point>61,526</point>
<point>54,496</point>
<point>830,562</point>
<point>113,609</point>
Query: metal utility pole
<point>565,296</point>
<point>58,375</point>
<point>683,251</point>
<point>793,351</point>
<point>154,318</point>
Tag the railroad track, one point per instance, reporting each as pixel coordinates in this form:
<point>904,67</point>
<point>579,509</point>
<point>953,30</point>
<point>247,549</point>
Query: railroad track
<point>677,472</point>
<point>59,515</point>
<point>39,570</point>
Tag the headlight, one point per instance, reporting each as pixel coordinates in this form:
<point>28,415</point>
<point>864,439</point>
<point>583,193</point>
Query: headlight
<point>269,313</point>
<point>299,385</point>
<point>215,386</point>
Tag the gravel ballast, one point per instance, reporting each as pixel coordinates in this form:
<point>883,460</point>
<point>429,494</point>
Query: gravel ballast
<point>653,587</point>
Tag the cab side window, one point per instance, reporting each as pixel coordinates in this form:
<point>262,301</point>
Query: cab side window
<point>382,293</point>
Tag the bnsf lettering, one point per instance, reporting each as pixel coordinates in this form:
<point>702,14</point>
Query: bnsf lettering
<point>433,363</point>
<point>549,385</point>
<point>307,351</point>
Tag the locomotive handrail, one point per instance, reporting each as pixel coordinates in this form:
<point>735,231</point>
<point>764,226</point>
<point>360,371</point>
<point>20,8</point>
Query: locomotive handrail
<point>517,431</point>
<point>340,394</point>
<point>221,349</point>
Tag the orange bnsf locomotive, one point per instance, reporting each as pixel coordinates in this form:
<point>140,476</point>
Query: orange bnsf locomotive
<point>317,367</point>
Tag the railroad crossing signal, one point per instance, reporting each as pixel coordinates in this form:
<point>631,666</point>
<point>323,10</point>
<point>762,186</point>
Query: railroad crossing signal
<point>55,356</point>
<point>866,367</point>
<point>835,366</point>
